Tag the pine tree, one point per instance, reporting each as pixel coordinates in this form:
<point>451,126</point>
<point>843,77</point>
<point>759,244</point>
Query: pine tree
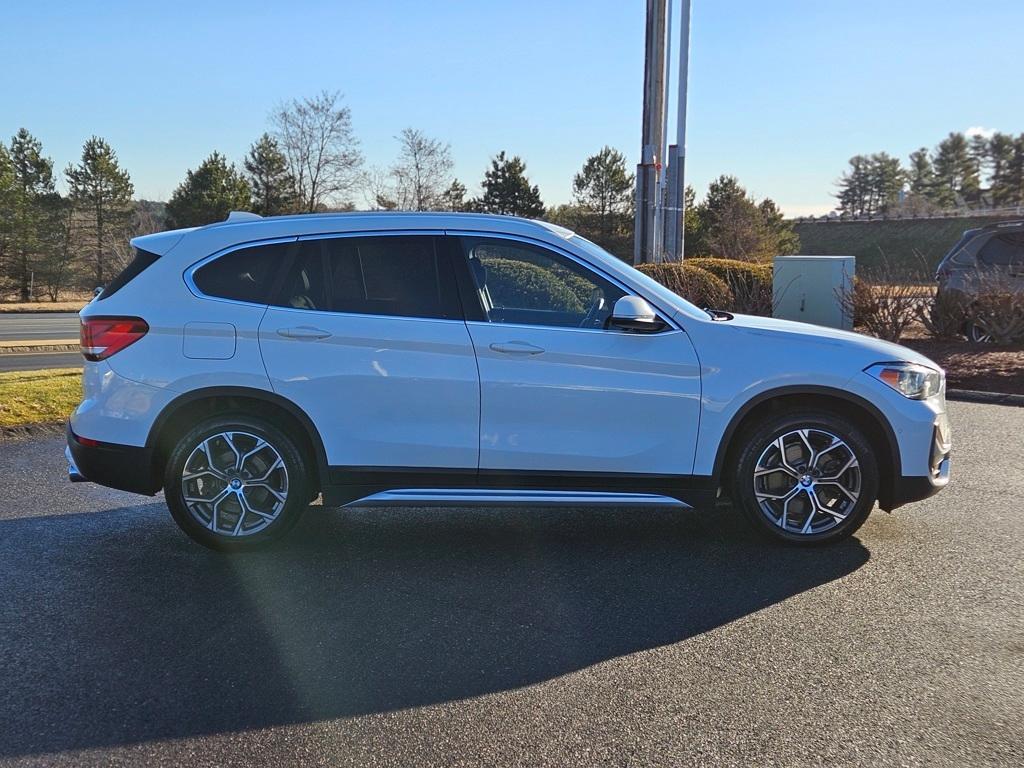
<point>33,193</point>
<point>691,221</point>
<point>978,150</point>
<point>921,176</point>
<point>854,187</point>
<point>8,195</point>
<point>1015,174</point>
<point>208,194</point>
<point>786,241</point>
<point>507,191</point>
<point>454,198</point>
<point>956,174</point>
<point>604,190</point>
<point>273,188</point>
<point>1000,153</point>
<point>101,196</point>
<point>887,179</point>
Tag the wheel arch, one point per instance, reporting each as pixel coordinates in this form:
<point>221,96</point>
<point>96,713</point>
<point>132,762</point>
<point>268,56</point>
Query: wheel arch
<point>185,410</point>
<point>863,413</point>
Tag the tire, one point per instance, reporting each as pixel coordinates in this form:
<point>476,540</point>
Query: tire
<point>843,477</point>
<point>273,482</point>
<point>977,334</point>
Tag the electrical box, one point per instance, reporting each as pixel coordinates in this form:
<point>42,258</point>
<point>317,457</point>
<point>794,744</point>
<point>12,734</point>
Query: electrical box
<point>809,289</point>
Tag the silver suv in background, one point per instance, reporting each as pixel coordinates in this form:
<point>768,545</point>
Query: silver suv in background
<point>994,252</point>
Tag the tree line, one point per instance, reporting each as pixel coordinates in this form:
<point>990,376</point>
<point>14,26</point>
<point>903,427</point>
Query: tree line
<point>310,161</point>
<point>961,172</point>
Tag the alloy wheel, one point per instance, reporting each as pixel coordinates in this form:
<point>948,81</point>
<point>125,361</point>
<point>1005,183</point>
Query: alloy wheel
<point>807,481</point>
<point>235,483</point>
<point>978,334</point>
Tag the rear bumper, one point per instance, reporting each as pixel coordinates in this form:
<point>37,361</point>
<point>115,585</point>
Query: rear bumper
<point>124,467</point>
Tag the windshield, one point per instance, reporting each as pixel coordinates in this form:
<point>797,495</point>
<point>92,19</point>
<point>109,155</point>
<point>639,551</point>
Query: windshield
<point>649,285</point>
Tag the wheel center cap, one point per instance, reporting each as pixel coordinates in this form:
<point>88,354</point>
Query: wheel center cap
<point>806,480</point>
<point>236,484</point>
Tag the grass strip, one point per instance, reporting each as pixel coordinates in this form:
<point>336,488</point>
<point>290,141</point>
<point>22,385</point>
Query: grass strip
<point>38,397</point>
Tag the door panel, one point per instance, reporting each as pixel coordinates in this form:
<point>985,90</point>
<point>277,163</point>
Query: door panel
<point>590,400</point>
<point>383,391</point>
<point>366,336</point>
<point>559,391</point>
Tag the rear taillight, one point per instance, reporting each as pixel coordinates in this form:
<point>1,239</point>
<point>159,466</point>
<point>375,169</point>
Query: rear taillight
<point>102,337</point>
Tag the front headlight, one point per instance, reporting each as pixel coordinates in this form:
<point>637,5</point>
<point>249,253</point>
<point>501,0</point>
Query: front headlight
<point>911,380</point>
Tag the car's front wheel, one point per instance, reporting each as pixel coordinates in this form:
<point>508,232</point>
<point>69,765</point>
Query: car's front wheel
<point>806,477</point>
<point>236,482</point>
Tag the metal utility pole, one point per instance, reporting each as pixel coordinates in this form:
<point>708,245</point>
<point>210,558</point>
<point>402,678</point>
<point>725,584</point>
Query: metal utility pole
<point>675,194</point>
<point>647,245</point>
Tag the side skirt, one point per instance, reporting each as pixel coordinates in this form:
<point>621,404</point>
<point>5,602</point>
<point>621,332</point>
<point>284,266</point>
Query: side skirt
<point>476,497</point>
<point>401,486</point>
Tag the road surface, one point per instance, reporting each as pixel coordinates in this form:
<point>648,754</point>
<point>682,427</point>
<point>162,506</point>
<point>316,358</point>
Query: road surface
<point>37,361</point>
<point>534,638</point>
<point>32,326</point>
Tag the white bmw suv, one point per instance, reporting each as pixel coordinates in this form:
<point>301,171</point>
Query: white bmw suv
<point>424,359</point>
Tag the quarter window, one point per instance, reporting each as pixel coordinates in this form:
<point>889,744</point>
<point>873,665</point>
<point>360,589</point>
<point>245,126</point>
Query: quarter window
<point>523,284</point>
<point>242,275</point>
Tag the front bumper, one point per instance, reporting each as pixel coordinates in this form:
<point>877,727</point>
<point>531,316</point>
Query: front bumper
<point>908,489</point>
<point>124,467</point>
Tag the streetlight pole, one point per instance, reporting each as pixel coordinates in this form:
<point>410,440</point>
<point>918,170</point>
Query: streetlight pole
<point>647,242</point>
<point>675,197</point>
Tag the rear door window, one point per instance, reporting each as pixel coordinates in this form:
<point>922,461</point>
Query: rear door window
<point>246,274</point>
<point>394,275</point>
<point>1004,250</point>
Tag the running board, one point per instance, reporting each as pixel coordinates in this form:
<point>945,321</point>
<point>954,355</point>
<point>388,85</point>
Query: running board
<point>465,497</point>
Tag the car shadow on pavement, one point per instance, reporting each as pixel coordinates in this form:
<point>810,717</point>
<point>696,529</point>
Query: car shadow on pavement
<point>115,629</point>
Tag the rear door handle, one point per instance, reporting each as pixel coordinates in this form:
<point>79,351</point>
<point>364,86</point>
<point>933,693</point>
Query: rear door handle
<point>304,333</point>
<point>516,348</point>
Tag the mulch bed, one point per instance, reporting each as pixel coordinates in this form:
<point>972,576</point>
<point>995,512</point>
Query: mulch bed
<point>981,367</point>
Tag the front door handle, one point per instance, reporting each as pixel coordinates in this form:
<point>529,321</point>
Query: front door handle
<point>304,333</point>
<point>516,348</point>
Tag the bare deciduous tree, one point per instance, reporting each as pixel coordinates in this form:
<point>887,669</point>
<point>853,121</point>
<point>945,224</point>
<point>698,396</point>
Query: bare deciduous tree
<point>423,172</point>
<point>323,154</point>
<point>378,190</point>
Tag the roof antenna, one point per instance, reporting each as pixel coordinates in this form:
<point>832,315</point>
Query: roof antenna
<point>242,216</point>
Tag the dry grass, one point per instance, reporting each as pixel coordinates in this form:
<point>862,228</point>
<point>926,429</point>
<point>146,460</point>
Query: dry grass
<point>43,306</point>
<point>37,397</point>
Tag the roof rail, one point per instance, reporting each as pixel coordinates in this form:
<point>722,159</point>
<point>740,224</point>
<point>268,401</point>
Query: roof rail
<point>242,216</point>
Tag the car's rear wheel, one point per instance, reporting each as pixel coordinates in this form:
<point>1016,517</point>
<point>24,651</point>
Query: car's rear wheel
<point>806,477</point>
<point>236,483</point>
<point>977,334</point>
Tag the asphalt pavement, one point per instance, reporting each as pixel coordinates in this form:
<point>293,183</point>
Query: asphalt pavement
<point>33,326</point>
<point>528,637</point>
<point>38,327</point>
<point>37,361</point>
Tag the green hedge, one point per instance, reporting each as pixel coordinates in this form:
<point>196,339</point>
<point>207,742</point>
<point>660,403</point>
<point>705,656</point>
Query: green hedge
<point>692,283</point>
<point>523,285</point>
<point>750,282</point>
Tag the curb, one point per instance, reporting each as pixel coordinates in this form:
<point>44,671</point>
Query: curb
<point>24,431</point>
<point>989,398</point>
<point>19,348</point>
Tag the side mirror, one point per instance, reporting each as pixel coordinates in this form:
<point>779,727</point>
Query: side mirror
<point>631,313</point>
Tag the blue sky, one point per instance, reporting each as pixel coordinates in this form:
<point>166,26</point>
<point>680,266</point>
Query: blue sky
<point>781,93</point>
